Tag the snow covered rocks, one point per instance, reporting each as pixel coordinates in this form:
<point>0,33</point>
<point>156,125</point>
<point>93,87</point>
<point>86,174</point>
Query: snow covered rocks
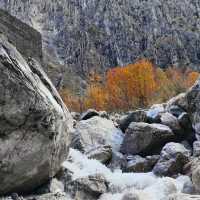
<point>143,138</point>
<point>34,126</point>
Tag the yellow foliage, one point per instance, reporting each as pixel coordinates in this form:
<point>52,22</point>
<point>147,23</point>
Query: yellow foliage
<point>129,87</point>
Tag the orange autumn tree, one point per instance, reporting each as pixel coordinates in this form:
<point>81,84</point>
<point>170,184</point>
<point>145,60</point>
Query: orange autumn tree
<point>131,86</point>
<point>191,78</point>
<point>73,102</point>
<point>95,96</point>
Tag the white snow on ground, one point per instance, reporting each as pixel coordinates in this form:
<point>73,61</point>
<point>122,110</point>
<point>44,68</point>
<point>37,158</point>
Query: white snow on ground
<point>146,185</point>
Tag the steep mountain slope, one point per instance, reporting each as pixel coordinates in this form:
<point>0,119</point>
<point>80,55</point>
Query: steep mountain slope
<point>87,34</point>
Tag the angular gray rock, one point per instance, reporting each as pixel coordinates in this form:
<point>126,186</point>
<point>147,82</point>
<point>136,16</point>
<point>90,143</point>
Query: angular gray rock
<point>143,138</point>
<point>136,116</point>
<point>172,160</point>
<point>101,153</point>
<point>35,124</point>
<point>153,114</point>
<point>171,121</point>
<point>89,114</point>
<point>96,132</point>
<point>140,164</point>
<point>89,188</point>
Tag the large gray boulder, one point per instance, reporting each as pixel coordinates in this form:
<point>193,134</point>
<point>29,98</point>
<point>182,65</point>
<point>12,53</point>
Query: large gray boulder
<point>34,124</point>
<point>96,132</point>
<point>172,160</point>
<point>143,138</point>
<point>136,116</point>
<point>90,187</point>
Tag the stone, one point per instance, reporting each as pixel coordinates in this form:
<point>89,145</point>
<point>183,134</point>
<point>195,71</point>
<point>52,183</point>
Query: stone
<point>153,114</point>
<point>142,138</point>
<point>97,132</point>
<point>196,148</point>
<point>180,100</point>
<point>136,116</point>
<point>35,125</point>
<point>89,188</point>
<point>89,114</point>
<point>140,164</point>
<point>56,186</point>
<point>118,162</point>
<point>101,153</point>
<point>175,110</point>
<point>171,121</point>
<point>172,160</point>
<point>193,100</point>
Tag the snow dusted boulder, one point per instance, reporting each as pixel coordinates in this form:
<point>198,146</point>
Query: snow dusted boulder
<point>34,127</point>
<point>90,187</point>
<point>172,160</point>
<point>136,116</point>
<point>153,114</point>
<point>101,153</point>
<point>171,121</point>
<point>97,132</point>
<point>140,164</point>
<point>89,114</point>
<point>143,138</point>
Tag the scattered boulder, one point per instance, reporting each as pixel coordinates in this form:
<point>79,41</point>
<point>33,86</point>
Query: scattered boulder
<point>179,100</point>
<point>196,148</point>
<point>171,121</point>
<point>175,110</point>
<point>140,164</point>
<point>192,99</point>
<point>153,114</point>
<point>89,188</point>
<point>136,116</point>
<point>101,153</point>
<point>97,132</point>
<point>142,138</point>
<point>172,160</point>
<point>34,127</point>
<point>89,114</point>
<point>196,176</point>
<point>118,161</point>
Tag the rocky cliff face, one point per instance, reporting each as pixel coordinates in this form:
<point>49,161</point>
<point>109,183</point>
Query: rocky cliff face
<point>27,40</point>
<point>87,34</point>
